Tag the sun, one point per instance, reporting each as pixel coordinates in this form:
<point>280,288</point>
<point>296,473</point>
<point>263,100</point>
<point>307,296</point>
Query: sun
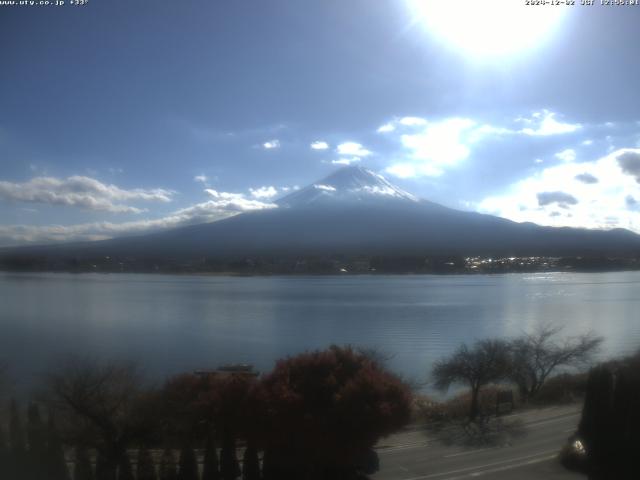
<point>489,28</point>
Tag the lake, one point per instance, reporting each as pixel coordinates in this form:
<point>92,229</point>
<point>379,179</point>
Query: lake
<point>181,323</point>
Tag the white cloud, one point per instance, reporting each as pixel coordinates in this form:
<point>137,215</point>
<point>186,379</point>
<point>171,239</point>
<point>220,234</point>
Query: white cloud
<point>402,170</point>
<point>326,188</point>
<point>234,202</point>
<point>444,143</point>
<point>222,205</point>
<point>225,205</point>
<point>538,161</point>
<point>567,155</point>
<point>478,133</point>
<point>587,142</point>
<point>380,190</point>
<point>345,161</point>
<point>264,192</point>
<point>80,191</point>
<point>591,194</point>
<point>201,179</point>
<point>319,145</point>
<point>401,122</point>
<point>438,146</point>
<point>271,144</point>
<point>412,121</point>
<point>386,128</point>
<point>544,123</point>
<point>429,148</point>
<point>352,149</point>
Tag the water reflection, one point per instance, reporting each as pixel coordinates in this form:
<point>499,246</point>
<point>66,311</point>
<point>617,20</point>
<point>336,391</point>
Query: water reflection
<point>174,323</point>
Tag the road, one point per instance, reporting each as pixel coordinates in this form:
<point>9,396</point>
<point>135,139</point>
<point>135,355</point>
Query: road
<point>412,455</point>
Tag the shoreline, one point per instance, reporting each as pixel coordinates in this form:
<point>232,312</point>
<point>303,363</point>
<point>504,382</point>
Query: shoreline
<point>469,273</point>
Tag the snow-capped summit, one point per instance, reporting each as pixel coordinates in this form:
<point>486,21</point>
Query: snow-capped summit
<point>349,185</point>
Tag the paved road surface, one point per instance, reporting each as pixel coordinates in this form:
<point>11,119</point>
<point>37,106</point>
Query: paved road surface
<point>414,456</point>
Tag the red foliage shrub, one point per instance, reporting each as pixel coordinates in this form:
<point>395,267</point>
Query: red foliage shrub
<point>331,407</point>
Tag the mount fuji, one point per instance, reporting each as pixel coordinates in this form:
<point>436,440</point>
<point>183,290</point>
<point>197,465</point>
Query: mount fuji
<point>353,211</point>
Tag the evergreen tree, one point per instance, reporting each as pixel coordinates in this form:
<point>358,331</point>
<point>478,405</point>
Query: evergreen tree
<point>211,469</point>
<point>168,466</point>
<point>610,421</point>
<point>104,469</point>
<point>56,462</point>
<point>276,465</point>
<point>82,470</point>
<point>17,463</point>
<point>188,464</point>
<point>229,467</point>
<point>595,424</point>
<point>250,464</point>
<point>4,456</point>
<point>145,469</point>
<point>268,467</point>
<point>37,442</point>
<point>16,434</point>
<point>124,468</point>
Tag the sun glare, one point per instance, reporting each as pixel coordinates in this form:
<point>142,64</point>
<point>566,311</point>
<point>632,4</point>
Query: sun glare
<point>485,29</point>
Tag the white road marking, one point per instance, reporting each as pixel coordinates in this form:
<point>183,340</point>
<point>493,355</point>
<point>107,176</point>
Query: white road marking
<point>478,467</point>
<point>406,446</point>
<point>552,420</point>
<point>528,412</point>
<point>510,467</point>
<point>468,452</point>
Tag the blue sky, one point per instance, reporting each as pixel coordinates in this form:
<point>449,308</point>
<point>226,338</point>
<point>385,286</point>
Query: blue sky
<point>121,117</point>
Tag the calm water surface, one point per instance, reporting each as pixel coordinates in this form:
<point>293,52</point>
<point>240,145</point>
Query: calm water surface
<point>181,323</point>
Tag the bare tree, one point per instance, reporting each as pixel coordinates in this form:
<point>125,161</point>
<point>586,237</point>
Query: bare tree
<point>102,406</point>
<point>487,361</point>
<point>536,356</point>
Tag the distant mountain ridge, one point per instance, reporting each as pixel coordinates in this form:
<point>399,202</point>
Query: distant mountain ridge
<point>353,211</point>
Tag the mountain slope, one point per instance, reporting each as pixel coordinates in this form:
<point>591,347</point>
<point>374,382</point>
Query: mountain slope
<point>357,212</point>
